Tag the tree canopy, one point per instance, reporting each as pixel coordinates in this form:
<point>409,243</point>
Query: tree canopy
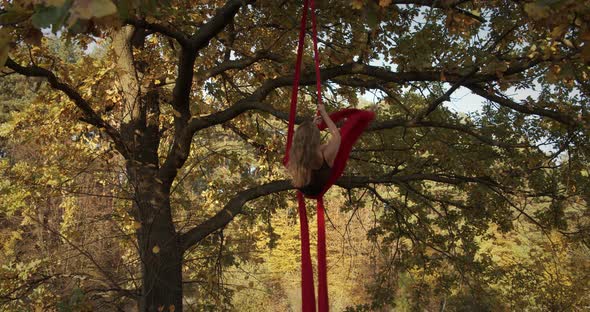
<point>141,145</point>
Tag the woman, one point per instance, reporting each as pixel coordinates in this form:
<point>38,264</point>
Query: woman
<point>310,162</point>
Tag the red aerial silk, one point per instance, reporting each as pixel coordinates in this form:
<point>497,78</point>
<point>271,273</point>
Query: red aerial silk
<point>356,121</point>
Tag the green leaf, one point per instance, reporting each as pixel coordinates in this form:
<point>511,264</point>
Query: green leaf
<point>79,26</point>
<point>549,2</point>
<point>537,11</point>
<point>51,16</point>
<point>4,40</point>
<point>586,53</point>
<point>372,19</point>
<point>96,8</point>
<point>123,7</point>
<point>149,6</point>
<point>14,17</point>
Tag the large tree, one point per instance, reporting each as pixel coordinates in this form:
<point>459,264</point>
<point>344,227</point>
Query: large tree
<point>170,74</point>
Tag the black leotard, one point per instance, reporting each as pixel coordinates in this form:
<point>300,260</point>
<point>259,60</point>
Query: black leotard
<point>319,178</point>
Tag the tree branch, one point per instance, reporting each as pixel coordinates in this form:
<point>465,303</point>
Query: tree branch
<point>442,5</point>
<point>215,25</point>
<point>90,116</point>
<point>394,123</point>
<point>232,112</point>
<point>331,73</point>
<point>235,64</point>
<point>258,146</point>
<point>234,206</point>
<point>180,148</point>
<point>178,35</point>
<point>445,97</point>
<point>255,99</point>
<point>229,211</point>
<point>526,109</point>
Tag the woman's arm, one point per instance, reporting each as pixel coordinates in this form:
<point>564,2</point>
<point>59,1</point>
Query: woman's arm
<point>330,150</point>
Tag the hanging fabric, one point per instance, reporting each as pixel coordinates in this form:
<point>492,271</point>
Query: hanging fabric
<point>355,122</point>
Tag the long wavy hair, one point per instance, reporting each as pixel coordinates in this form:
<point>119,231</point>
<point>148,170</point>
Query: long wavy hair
<point>303,153</point>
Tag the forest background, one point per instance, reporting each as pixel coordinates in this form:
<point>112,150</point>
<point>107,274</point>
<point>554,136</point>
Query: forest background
<point>141,145</point>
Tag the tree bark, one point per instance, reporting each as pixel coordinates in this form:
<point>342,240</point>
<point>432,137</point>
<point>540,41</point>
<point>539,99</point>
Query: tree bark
<point>159,248</point>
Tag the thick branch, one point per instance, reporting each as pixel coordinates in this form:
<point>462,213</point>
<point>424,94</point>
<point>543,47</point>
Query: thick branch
<point>90,115</point>
<point>232,112</point>
<point>180,102</point>
<point>431,3</point>
<point>445,97</point>
<point>526,109</point>
<point>384,75</point>
<point>235,110</point>
<point>395,123</point>
<point>181,94</point>
<point>180,150</point>
<point>179,36</point>
<point>463,76</point>
<point>128,78</point>
<point>229,211</point>
<point>215,25</point>
<point>350,182</point>
<point>234,206</point>
<point>442,5</point>
<point>253,101</point>
<point>260,147</point>
<point>235,64</point>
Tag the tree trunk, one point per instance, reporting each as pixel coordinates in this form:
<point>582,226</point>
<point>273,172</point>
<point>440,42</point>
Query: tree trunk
<point>159,248</point>
<point>160,251</point>
<point>161,269</point>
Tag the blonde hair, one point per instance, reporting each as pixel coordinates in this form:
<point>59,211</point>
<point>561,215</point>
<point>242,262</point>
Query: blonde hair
<point>303,153</point>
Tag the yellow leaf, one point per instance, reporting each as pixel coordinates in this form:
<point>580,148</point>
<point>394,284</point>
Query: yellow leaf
<point>156,249</point>
<point>384,3</point>
<point>95,8</point>
<point>176,113</point>
<point>558,31</point>
<point>17,235</point>
<point>56,3</point>
<point>568,43</point>
<point>536,11</point>
<point>357,4</point>
<point>357,68</point>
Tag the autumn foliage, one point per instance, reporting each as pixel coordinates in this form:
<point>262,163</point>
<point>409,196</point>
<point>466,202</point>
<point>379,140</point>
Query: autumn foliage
<point>141,145</point>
